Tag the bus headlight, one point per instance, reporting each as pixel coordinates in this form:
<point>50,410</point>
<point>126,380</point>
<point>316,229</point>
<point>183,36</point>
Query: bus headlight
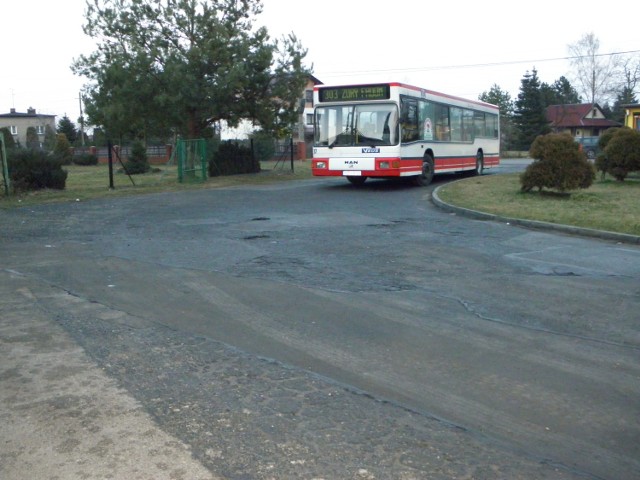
<point>383,165</point>
<point>321,164</point>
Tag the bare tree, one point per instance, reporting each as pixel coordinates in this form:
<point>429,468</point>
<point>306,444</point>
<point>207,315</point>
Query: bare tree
<point>595,74</point>
<point>630,69</point>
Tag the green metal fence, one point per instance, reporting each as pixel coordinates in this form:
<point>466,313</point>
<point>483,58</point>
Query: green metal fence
<point>191,156</point>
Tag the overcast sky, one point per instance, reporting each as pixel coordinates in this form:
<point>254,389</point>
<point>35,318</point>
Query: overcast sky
<point>459,47</point>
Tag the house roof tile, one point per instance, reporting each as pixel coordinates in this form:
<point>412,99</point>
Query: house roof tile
<point>566,116</point>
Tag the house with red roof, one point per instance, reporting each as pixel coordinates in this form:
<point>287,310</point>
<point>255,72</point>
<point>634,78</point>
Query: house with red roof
<point>579,120</point>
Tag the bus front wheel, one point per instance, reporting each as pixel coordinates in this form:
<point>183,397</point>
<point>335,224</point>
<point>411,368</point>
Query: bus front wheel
<point>426,176</point>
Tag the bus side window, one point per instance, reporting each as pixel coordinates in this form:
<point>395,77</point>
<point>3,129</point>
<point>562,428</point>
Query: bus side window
<point>409,120</point>
<point>443,130</point>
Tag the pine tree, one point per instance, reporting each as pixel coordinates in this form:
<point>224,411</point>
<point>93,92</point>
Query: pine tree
<point>560,92</point>
<point>66,126</point>
<point>625,97</point>
<point>502,99</point>
<point>529,116</point>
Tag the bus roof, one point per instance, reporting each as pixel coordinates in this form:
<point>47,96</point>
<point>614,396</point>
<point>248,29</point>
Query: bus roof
<point>411,87</point>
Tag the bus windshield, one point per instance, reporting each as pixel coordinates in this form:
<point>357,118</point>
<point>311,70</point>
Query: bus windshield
<point>357,125</point>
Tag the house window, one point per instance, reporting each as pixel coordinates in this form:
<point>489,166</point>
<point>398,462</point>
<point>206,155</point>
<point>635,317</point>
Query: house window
<point>40,129</point>
<point>309,118</point>
<point>14,130</point>
<point>308,96</point>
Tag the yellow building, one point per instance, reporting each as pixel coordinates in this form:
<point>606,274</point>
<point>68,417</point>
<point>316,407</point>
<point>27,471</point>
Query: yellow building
<point>632,115</point>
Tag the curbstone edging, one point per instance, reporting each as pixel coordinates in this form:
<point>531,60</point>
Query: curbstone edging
<point>555,227</point>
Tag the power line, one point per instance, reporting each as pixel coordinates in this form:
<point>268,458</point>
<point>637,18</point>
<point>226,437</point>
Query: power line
<point>473,65</point>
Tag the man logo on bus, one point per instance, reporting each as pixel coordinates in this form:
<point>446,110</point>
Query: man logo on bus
<point>351,163</point>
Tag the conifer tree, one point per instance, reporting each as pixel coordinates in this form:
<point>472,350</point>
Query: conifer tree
<point>496,96</point>
<point>33,142</point>
<point>529,116</point>
<point>66,126</point>
<point>183,66</point>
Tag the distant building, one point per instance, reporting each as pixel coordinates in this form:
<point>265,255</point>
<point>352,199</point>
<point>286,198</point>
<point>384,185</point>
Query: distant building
<point>304,134</point>
<point>18,123</point>
<point>579,120</point>
<point>632,115</point>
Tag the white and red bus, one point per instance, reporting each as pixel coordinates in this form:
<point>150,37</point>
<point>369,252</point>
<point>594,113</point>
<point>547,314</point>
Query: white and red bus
<point>391,130</point>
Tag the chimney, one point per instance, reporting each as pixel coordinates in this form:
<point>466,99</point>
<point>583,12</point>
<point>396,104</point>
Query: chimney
<point>31,111</point>
<point>13,110</point>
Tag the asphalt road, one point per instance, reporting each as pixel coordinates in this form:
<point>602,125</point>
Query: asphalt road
<point>493,350</point>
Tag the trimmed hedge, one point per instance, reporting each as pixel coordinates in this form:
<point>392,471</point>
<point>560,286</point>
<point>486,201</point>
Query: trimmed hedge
<point>559,165</point>
<point>622,153</point>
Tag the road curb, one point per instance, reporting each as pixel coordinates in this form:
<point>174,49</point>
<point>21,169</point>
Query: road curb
<point>534,224</point>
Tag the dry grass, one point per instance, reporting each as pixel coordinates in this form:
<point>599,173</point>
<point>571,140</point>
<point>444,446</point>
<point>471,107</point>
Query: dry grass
<point>607,205</point>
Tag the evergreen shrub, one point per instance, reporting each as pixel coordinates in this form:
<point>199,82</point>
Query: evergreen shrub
<point>137,161</point>
<point>9,142</point>
<point>35,170</point>
<point>558,165</point>
<point>62,149</point>
<point>85,159</point>
<point>602,164</point>
<point>623,153</point>
<point>232,158</point>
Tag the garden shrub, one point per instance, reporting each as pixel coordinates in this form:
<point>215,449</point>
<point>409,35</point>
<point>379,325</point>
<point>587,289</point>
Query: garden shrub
<point>137,161</point>
<point>85,159</point>
<point>602,164</point>
<point>232,158</point>
<point>263,146</point>
<point>622,153</point>
<point>35,170</point>
<point>558,165</point>
<point>62,149</point>
<point>9,142</point>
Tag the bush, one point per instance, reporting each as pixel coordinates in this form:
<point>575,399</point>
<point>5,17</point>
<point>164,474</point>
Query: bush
<point>35,170</point>
<point>9,142</point>
<point>231,159</point>
<point>622,153</point>
<point>62,149</point>
<point>138,161</point>
<point>263,146</point>
<point>559,165</point>
<point>602,164</point>
<point>85,159</point>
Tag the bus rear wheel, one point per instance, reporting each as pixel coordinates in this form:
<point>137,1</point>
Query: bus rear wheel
<point>357,180</point>
<point>426,176</point>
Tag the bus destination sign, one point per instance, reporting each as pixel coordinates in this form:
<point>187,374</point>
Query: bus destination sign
<point>354,93</point>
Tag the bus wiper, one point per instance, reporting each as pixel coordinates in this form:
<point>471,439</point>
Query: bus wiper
<point>333,144</point>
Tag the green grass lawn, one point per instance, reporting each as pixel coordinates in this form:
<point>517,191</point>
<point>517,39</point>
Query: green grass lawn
<point>87,182</point>
<point>607,205</point>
